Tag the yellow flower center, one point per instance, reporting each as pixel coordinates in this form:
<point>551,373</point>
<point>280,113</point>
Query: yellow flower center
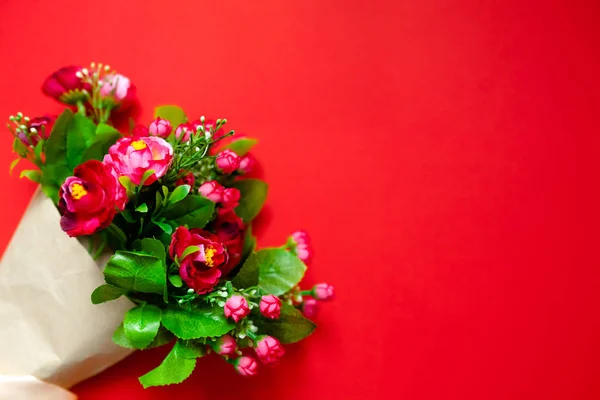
<point>209,254</point>
<point>139,145</point>
<point>78,191</point>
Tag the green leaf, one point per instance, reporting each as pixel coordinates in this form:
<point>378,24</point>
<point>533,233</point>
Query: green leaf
<point>241,146</point>
<point>249,242</point>
<point>141,325</point>
<point>20,148</point>
<point>175,368</point>
<point>154,247</point>
<point>253,195</point>
<point>142,208</point>
<point>176,280</point>
<point>146,176</point>
<point>179,193</point>
<point>56,146</point>
<point>120,339</point>
<point>166,228</point>
<point>14,164</point>
<point>128,185</point>
<point>193,211</point>
<point>162,337</point>
<point>198,323</point>
<point>290,327</point>
<point>136,272</point>
<point>126,214</point>
<point>189,250</point>
<point>37,150</point>
<point>80,135</point>
<point>274,270</point>
<point>174,114</point>
<point>105,137</point>
<point>106,293</point>
<point>32,174</point>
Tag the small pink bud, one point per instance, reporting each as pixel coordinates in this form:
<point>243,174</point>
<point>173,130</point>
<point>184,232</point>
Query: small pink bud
<point>310,308</point>
<point>236,307</point>
<point>212,190</point>
<point>184,132</point>
<point>227,161</point>
<point>268,349</point>
<point>160,127</point>
<point>246,366</point>
<point>303,249</point>
<point>247,164</point>
<point>187,179</point>
<point>225,345</point>
<point>270,306</point>
<point>115,85</point>
<point>231,198</point>
<point>323,291</point>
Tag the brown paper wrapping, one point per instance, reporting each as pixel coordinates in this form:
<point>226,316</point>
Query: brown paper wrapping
<point>48,327</point>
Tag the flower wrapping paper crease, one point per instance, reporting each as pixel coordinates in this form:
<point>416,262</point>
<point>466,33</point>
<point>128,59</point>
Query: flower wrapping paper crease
<point>171,204</point>
<point>48,327</point>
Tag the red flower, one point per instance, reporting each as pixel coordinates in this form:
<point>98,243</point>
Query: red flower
<point>186,180</point>
<point>212,190</point>
<point>231,199</point>
<point>236,307</point>
<point>230,230</point>
<point>89,199</point>
<point>37,128</point>
<point>268,349</point>
<point>199,270</point>
<point>64,85</point>
<point>246,366</point>
<point>227,161</point>
<point>270,306</point>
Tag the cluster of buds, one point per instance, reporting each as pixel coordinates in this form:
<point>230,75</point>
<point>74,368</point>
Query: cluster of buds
<point>228,198</point>
<point>308,300</point>
<point>30,131</point>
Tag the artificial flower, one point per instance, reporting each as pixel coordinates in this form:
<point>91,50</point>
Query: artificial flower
<point>160,127</point>
<point>236,307</point>
<point>268,350</point>
<point>227,161</point>
<point>230,230</point>
<point>270,306</point>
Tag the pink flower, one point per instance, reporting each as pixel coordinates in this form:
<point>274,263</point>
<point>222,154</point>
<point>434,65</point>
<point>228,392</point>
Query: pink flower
<point>231,199</point>
<point>310,308</point>
<point>270,306</point>
<point>246,366</point>
<point>188,179</point>
<point>139,131</point>
<point>199,270</point>
<point>133,157</point>
<point>184,132</point>
<point>225,345</point>
<point>323,291</point>
<point>116,86</point>
<point>212,190</point>
<point>88,201</point>
<point>160,127</point>
<point>247,164</point>
<point>236,307</point>
<point>64,85</point>
<point>268,349</point>
<point>303,248</point>
<point>227,161</point>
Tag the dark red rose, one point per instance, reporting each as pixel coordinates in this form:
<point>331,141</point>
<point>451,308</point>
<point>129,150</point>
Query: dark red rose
<point>200,270</point>
<point>186,180</point>
<point>89,200</point>
<point>65,86</point>
<point>229,228</point>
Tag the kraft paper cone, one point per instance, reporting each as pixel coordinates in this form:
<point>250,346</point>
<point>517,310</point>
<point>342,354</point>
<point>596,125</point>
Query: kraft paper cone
<point>48,327</point>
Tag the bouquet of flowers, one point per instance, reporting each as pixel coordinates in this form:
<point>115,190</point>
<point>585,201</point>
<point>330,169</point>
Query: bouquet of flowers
<point>168,209</point>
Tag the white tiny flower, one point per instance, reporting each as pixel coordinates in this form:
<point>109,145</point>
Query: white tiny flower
<point>79,74</point>
<point>197,148</point>
<point>33,130</point>
<point>84,71</point>
<point>190,290</point>
<point>207,135</point>
<point>221,304</point>
<point>242,336</point>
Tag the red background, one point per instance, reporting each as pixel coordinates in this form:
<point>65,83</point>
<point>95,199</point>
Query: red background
<point>442,155</point>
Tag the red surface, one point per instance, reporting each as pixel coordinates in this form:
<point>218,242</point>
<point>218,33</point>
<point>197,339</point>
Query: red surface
<point>442,154</point>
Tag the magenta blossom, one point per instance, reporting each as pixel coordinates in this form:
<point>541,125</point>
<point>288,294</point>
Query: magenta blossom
<point>247,164</point>
<point>303,248</point>
<point>323,291</point>
<point>228,161</point>
<point>64,85</point>
<point>225,345</point>
<point>310,308</point>
<point>246,366</point>
<point>236,307</point>
<point>268,349</point>
<point>231,199</point>
<point>212,190</point>
<point>133,157</point>
<point>160,127</point>
<point>270,306</point>
<point>184,132</point>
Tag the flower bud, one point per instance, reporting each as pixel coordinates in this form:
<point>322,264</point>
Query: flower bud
<point>231,199</point>
<point>65,85</point>
<point>268,349</point>
<point>247,164</point>
<point>246,366</point>
<point>225,345</point>
<point>310,308</point>
<point>270,306</point>
<point>323,291</point>
<point>184,132</point>
<point>188,179</point>
<point>303,249</point>
<point>160,127</point>
<point>227,161</point>
<point>236,307</point>
<point>212,190</point>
